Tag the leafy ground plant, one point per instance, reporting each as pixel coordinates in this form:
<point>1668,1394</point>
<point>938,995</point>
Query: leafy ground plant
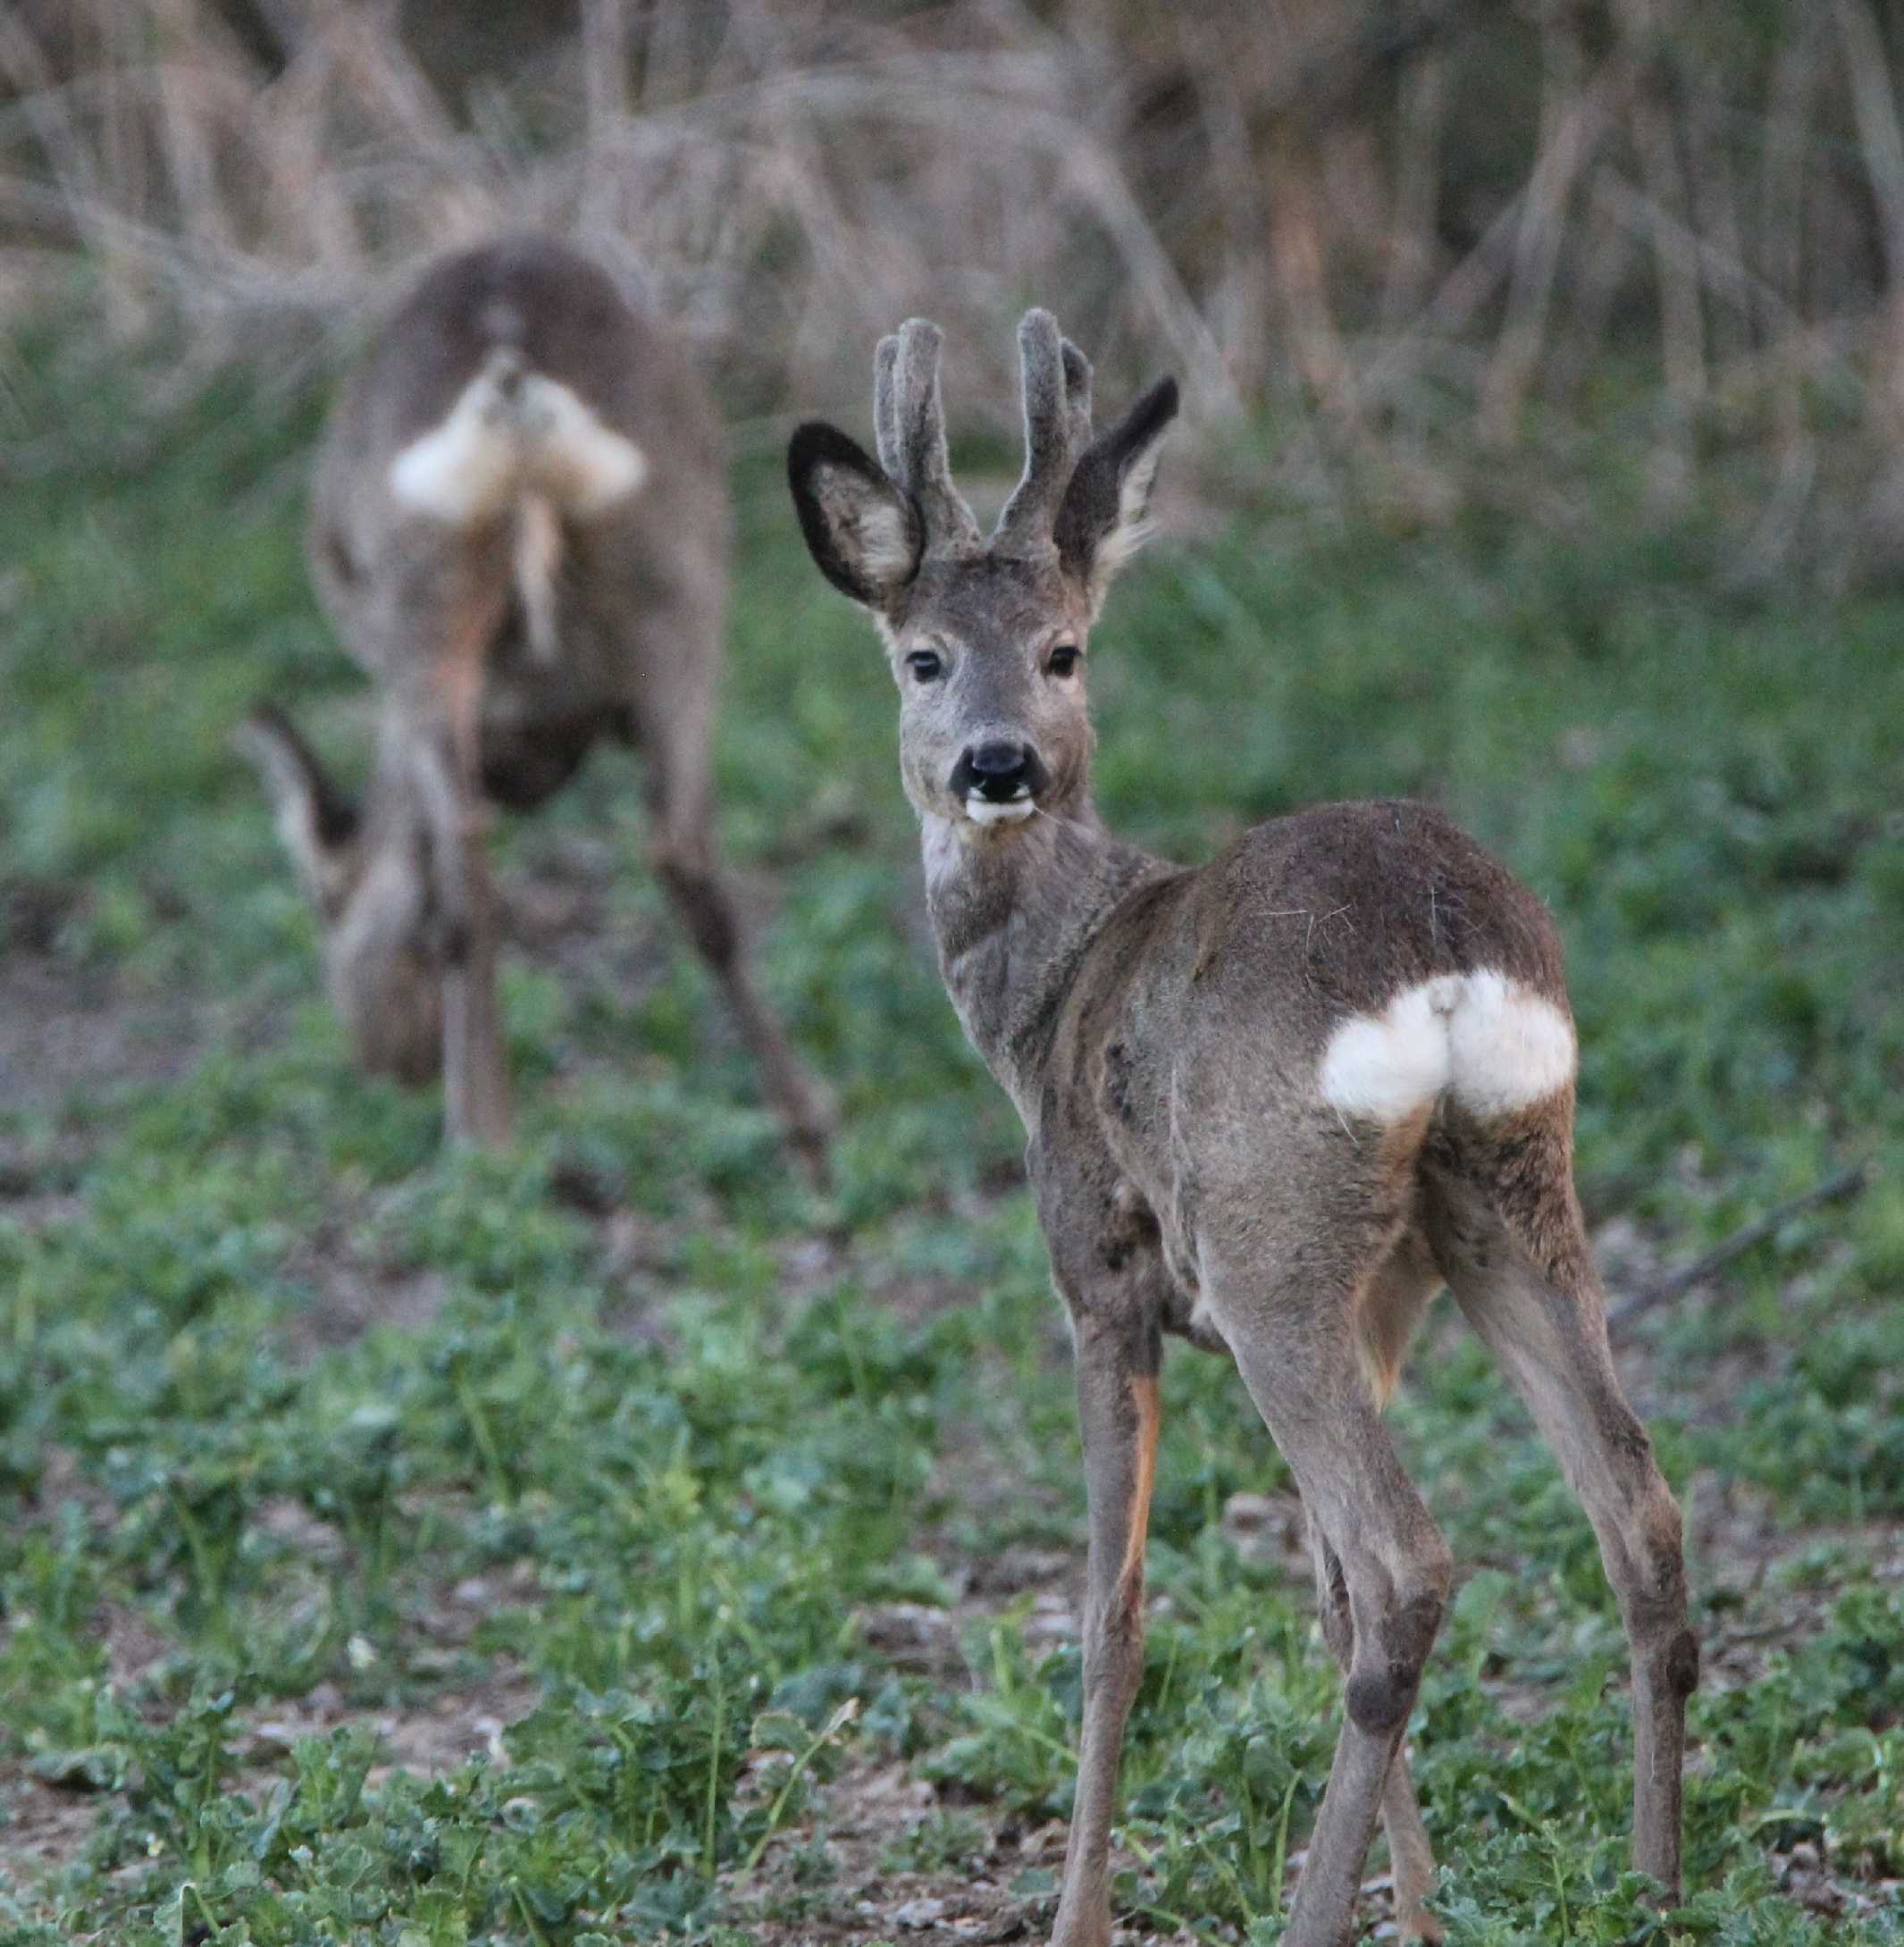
<point>615,1540</point>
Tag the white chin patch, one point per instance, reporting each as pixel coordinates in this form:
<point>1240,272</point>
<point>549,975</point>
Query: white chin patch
<point>989,811</point>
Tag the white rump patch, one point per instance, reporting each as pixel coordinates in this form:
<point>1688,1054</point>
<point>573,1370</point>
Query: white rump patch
<point>464,469</point>
<point>582,465</point>
<point>1508,1047</point>
<point>1480,1037</point>
<point>994,811</point>
<point>509,434</point>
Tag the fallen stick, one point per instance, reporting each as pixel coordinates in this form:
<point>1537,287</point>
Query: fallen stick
<point>1843,1183</point>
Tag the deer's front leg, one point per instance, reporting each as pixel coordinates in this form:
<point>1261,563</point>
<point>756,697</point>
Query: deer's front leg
<point>475,1065</point>
<point>1117,1414</point>
<point>438,752</point>
<point>432,730</point>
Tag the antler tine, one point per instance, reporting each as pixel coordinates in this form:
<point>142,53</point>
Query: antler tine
<point>1076,398</point>
<point>925,470</point>
<point>1046,379</point>
<point>885,403</point>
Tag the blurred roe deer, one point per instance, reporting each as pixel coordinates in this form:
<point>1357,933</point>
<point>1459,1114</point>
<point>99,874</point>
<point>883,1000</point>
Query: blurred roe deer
<point>1273,1103</point>
<point>519,528</point>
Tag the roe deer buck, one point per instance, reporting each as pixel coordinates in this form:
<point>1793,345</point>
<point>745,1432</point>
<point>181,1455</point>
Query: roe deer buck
<point>519,528</point>
<point>1272,1103</point>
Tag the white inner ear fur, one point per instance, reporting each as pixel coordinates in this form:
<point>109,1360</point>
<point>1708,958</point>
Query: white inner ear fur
<point>1492,1045</point>
<point>868,522</point>
<point>500,442</point>
<point>1132,527</point>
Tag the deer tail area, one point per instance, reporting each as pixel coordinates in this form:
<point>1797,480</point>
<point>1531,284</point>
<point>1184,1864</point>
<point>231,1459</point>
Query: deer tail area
<point>521,446</point>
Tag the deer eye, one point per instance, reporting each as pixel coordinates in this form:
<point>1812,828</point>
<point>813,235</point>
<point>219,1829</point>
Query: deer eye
<point>925,666</point>
<point>1062,660</point>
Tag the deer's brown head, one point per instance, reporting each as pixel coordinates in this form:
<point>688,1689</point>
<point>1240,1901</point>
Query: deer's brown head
<point>987,636</point>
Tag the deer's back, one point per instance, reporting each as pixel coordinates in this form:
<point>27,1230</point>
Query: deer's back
<point>1337,908</point>
<point>1214,997</point>
<point>631,583</point>
<point>572,324</point>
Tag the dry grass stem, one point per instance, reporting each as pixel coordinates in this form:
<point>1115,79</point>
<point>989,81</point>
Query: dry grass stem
<point>1327,206</point>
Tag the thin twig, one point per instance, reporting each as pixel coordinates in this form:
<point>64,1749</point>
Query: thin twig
<point>1292,208</point>
<point>1570,128</point>
<point>1649,122</point>
<point>1845,1183</point>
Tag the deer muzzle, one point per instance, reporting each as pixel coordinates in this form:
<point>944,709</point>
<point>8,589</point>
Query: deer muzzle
<point>999,782</point>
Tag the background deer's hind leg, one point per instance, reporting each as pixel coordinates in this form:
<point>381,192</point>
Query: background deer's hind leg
<point>673,714</point>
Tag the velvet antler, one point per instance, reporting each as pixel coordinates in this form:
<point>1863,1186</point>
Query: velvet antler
<point>908,421</point>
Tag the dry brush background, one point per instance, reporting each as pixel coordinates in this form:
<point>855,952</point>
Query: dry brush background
<point>1422,234</point>
<point>615,1540</point>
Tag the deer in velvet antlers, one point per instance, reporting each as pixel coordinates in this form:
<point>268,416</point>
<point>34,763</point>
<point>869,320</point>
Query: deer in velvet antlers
<point>1274,1136</point>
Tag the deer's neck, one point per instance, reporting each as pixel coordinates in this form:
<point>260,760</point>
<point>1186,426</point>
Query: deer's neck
<point>1013,917</point>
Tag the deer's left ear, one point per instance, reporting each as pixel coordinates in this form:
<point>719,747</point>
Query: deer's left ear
<point>1100,520</point>
<point>864,536</point>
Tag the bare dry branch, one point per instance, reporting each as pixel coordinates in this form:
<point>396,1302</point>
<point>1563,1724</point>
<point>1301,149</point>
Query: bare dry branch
<point>1835,1189</point>
<point>1290,205</point>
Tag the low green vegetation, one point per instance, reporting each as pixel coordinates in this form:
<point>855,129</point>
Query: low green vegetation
<point>617,1539</point>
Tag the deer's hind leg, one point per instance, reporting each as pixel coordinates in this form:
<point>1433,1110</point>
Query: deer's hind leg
<point>1507,1228</point>
<point>1411,1853</point>
<point>672,706</point>
<point>1390,1305</point>
<point>1287,1295</point>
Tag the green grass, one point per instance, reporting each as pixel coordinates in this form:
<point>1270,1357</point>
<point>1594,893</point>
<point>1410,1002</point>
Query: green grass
<point>653,1442</point>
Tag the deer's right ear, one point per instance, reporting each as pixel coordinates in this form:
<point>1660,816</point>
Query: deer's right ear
<point>1101,519</point>
<point>864,536</point>
<point>317,823</point>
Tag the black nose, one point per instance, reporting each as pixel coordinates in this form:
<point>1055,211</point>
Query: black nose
<point>997,771</point>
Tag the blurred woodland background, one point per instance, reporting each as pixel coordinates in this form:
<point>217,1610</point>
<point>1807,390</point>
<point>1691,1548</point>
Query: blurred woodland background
<point>1422,234</point>
<point>614,1538</point>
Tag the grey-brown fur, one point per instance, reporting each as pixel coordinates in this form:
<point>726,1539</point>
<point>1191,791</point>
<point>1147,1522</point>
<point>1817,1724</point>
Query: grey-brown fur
<point>1168,1035</point>
<point>505,642</point>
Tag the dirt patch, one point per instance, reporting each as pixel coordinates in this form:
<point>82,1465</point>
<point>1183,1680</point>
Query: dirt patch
<point>427,1738</point>
<point>847,1873</point>
<point>63,1031</point>
<point>843,1874</point>
<point>350,1290</point>
<point>1755,1598</point>
<point>42,1826</point>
